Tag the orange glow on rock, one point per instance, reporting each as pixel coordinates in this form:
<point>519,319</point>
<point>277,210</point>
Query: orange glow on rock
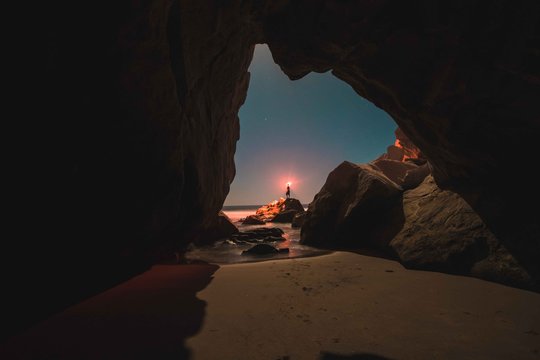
<point>409,152</point>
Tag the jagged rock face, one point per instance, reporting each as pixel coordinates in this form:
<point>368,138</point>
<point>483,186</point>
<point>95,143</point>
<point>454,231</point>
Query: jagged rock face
<point>441,232</point>
<point>357,207</point>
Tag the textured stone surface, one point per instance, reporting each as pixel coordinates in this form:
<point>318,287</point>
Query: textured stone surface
<point>394,170</point>
<point>441,232</point>
<point>414,177</point>
<point>357,207</point>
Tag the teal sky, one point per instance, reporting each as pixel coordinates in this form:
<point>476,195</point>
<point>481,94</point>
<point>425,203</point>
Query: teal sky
<point>299,131</point>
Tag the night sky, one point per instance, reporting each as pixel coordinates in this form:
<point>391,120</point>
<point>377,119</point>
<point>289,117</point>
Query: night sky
<point>299,131</point>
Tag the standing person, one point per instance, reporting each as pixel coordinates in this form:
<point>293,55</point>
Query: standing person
<point>288,193</point>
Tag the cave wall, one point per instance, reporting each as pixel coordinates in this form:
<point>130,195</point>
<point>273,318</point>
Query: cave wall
<point>461,79</point>
<point>131,127</point>
<point>130,122</point>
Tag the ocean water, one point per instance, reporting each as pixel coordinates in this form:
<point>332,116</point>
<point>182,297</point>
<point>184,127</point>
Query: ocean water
<point>227,252</point>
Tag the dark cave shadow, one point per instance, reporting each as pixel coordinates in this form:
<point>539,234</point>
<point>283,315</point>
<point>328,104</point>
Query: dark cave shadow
<point>381,228</point>
<point>360,356</point>
<point>148,317</point>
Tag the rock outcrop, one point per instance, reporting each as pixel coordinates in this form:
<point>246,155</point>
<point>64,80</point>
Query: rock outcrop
<point>403,162</point>
<point>221,228</point>
<point>358,206</point>
<point>130,126</point>
<point>253,220</point>
<point>264,249</point>
<point>282,210</point>
<point>441,232</point>
<point>394,170</point>
<point>286,216</point>
<point>259,235</point>
<point>424,228</point>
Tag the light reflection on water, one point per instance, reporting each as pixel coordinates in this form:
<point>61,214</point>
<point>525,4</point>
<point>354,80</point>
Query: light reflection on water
<point>227,252</point>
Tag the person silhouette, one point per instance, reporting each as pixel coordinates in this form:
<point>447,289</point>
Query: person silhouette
<point>288,193</point>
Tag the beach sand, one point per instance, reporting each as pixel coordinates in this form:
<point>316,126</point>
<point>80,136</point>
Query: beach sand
<point>342,305</point>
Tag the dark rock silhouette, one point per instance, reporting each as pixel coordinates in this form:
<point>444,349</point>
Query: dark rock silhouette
<point>253,220</point>
<point>286,216</point>
<point>261,249</point>
<point>298,220</point>
<point>259,234</point>
<point>357,206</point>
<point>414,177</point>
<point>221,228</point>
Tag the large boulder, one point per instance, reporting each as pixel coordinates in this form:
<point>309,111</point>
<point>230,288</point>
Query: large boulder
<point>222,227</point>
<point>442,232</point>
<point>293,204</point>
<point>261,249</point>
<point>258,235</point>
<point>285,216</point>
<point>282,210</point>
<point>298,220</point>
<point>357,207</point>
<point>253,220</point>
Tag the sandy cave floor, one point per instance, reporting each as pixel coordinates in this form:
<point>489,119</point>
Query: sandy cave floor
<point>337,306</point>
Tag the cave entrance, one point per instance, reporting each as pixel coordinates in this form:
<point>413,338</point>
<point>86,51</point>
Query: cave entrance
<point>299,131</point>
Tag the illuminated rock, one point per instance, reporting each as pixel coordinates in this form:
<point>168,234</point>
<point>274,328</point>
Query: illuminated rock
<point>410,151</point>
<point>394,153</point>
<point>401,158</point>
<point>282,210</point>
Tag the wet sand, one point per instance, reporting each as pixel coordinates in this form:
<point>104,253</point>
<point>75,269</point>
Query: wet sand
<point>337,306</point>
